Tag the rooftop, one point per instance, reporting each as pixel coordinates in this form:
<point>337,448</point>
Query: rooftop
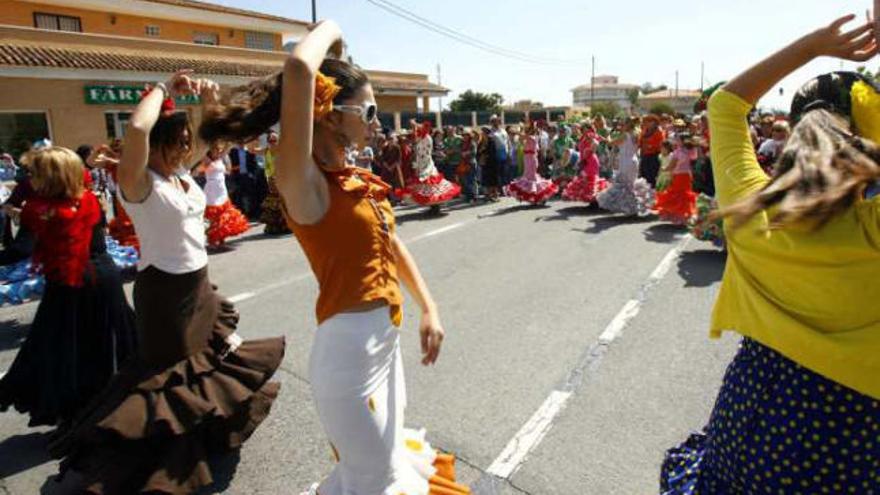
<point>88,56</point>
<point>666,94</point>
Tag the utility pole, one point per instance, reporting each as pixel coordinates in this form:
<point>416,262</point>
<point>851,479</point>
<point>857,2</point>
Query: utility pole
<point>702,76</point>
<point>676,83</point>
<point>439,82</point>
<point>314,12</point>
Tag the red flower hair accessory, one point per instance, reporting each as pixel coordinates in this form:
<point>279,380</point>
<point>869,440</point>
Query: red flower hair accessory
<point>424,129</point>
<point>168,104</point>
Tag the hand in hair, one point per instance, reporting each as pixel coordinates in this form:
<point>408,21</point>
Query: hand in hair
<point>857,45</point>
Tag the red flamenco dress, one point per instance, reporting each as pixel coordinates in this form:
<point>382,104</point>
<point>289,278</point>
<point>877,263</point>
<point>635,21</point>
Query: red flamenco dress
<point>84,329</point>
<point>121,227</point>
<point>224,220</point>
<point>678,202</point>
<point>429,187</point>
<point>588,184</point>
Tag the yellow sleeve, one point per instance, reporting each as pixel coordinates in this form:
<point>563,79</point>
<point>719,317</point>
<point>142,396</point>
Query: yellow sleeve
<point>734,162</point>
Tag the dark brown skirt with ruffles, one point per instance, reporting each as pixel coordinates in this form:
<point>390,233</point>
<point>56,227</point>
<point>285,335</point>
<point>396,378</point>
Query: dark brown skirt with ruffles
<point>186,397</point>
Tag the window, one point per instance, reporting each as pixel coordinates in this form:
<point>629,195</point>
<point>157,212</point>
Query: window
<point>153,31</point>
<point>57,22</point>
<point>206,39</point>
<point>116,122</point>
<point>18,130</point>
<point>259,41</point>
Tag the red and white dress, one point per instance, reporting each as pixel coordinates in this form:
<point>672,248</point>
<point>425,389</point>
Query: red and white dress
<point>224,219</point>
<point>429,187</point>
<point>588,184</point>
<point>531,187</point>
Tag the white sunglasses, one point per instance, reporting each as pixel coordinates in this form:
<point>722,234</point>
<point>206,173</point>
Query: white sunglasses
<point>368,111</point>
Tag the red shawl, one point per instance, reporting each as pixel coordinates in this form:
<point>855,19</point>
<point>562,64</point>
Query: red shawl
<point>63,230</point>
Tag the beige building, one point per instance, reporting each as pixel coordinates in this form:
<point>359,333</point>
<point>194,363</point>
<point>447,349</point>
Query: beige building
<point>73,70</point>
<point>604,89</point>
<point>681,100</point>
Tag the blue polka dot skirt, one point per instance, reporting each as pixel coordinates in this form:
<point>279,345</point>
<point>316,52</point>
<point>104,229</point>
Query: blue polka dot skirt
<point>779,428</point>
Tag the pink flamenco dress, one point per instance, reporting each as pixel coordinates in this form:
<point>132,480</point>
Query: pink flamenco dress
<point>588,184</point>
<point>531,187</point>
<point>428,187</point>
<point>223,219</point>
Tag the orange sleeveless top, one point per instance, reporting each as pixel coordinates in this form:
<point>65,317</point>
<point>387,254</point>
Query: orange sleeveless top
<point>350,249</point>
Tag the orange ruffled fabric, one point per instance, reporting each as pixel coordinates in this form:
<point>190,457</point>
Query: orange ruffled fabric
<point>122,229</point>
<point>443,483</point>
<point>677,203</point>
<point>224,221</point>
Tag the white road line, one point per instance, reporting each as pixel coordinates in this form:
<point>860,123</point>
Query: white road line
<point>436,232</point>
<point>537,427</point>
<point>241,297</point>
<point>2,374</point>
<point>529,435</point>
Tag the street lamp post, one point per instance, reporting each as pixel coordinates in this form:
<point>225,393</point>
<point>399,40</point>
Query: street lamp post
<point>314,12</point>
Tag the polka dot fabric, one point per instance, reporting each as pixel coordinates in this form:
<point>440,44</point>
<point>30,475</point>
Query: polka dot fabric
<point>778,428</point>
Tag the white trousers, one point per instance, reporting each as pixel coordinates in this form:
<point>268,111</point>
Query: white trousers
<point>357,382</point>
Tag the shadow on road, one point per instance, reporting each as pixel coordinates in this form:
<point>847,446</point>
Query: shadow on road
<point>602,224</point>
<point>421,215</point>
<point>564,214</point>
<point>22,452</point>
<point>12,335</point>
<point>701,268</point>
<point>664,233</point>
<point>516,209</point>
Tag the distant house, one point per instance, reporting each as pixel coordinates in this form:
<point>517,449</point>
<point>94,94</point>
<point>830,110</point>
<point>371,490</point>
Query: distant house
<point>682,100</point>
<point>604,89</point>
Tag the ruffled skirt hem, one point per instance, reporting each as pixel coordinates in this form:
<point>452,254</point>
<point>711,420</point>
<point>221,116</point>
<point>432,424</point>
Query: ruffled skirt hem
<point>224,221</point>
<point>433,191</point>
<point>532,191</point>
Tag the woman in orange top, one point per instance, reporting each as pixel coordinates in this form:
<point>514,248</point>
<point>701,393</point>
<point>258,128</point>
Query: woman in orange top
<point>342,219</point>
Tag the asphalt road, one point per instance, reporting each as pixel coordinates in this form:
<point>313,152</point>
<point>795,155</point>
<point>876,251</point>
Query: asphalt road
<point>577,352</point>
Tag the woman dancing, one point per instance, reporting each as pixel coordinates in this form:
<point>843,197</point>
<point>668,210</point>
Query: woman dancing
<point>429,187</point>
<point>223,218</point>
<point>799,408</point>
<point>531,187</point>
<point>344,223</point>
<point>629,194</point>
<point>195,388</point>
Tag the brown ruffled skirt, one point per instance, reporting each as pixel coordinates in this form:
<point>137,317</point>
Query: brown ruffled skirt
<point>187,396</point>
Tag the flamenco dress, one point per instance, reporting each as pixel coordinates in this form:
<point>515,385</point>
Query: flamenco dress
<point>223,218</point>
<point>121,227</point>
<point>678,203</point>
<point>588,184</point>
<point>704,228</point>
<point>429,187</point>
<point>194,389</point>
<point>531,187</point>
<point>271,210</point>
<point>84,329</point>
<point>629,194</point>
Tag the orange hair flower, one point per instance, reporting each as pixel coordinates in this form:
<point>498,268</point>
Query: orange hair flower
<point>325,91</point>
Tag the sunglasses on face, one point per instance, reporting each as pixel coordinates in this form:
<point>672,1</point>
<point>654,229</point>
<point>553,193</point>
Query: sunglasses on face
<point>368,111</point>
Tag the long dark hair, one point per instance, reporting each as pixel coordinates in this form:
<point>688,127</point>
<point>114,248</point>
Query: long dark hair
<point>246,112</point>
<point>825,167</point>
<point>170,135</point>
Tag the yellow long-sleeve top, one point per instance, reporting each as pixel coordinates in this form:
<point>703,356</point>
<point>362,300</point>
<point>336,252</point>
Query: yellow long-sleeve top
<point>813,296</point>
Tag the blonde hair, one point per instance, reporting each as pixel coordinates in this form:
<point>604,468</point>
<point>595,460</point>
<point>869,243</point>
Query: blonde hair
<point>56,173</point>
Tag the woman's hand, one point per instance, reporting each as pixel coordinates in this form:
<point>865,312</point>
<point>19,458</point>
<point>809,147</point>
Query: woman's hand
<point>207,90</point>
<point>432,335</point>
<point>181,83</point>
<point>857,45</point>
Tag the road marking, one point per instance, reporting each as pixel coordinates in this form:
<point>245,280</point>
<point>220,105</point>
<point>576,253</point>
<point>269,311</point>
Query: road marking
<point>436,232</point>
<point>2,374</point>
<point>529,435</point>
<point>241,297</point>
<point>536,428</point>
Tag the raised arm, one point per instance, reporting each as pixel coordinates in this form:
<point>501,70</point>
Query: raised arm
<point>299,180</point>
<point>857,45</point>
<point>132,173</point>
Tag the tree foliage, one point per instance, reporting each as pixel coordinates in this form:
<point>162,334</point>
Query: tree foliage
<point>661,108</point>
<point>609,110</point>
<point>472,101</point>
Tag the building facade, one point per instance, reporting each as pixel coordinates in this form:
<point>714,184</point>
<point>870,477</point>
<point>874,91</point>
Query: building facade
<point>604,89</point>
<point>682,101</point>
<point>73,70</point>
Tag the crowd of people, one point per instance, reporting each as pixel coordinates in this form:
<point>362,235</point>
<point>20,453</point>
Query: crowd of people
<point>144,397</point>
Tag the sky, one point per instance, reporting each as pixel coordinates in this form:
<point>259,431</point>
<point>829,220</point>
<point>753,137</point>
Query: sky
<point>637,40</point>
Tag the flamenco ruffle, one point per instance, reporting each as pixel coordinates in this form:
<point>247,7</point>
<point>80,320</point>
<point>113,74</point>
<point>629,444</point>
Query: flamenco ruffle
<point>122,229</point>
<point>433,190</point>
<point>702,227</point>
<point>532,191</point>
<point>271,214</point>
<point>681,468</point>
<point>425,472</point>
<point>584,189</point>
<point>224,221</point>
<point>154,432</point>
<point>19,283</point>
<point>627,197</point>
<point>677,204</point>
